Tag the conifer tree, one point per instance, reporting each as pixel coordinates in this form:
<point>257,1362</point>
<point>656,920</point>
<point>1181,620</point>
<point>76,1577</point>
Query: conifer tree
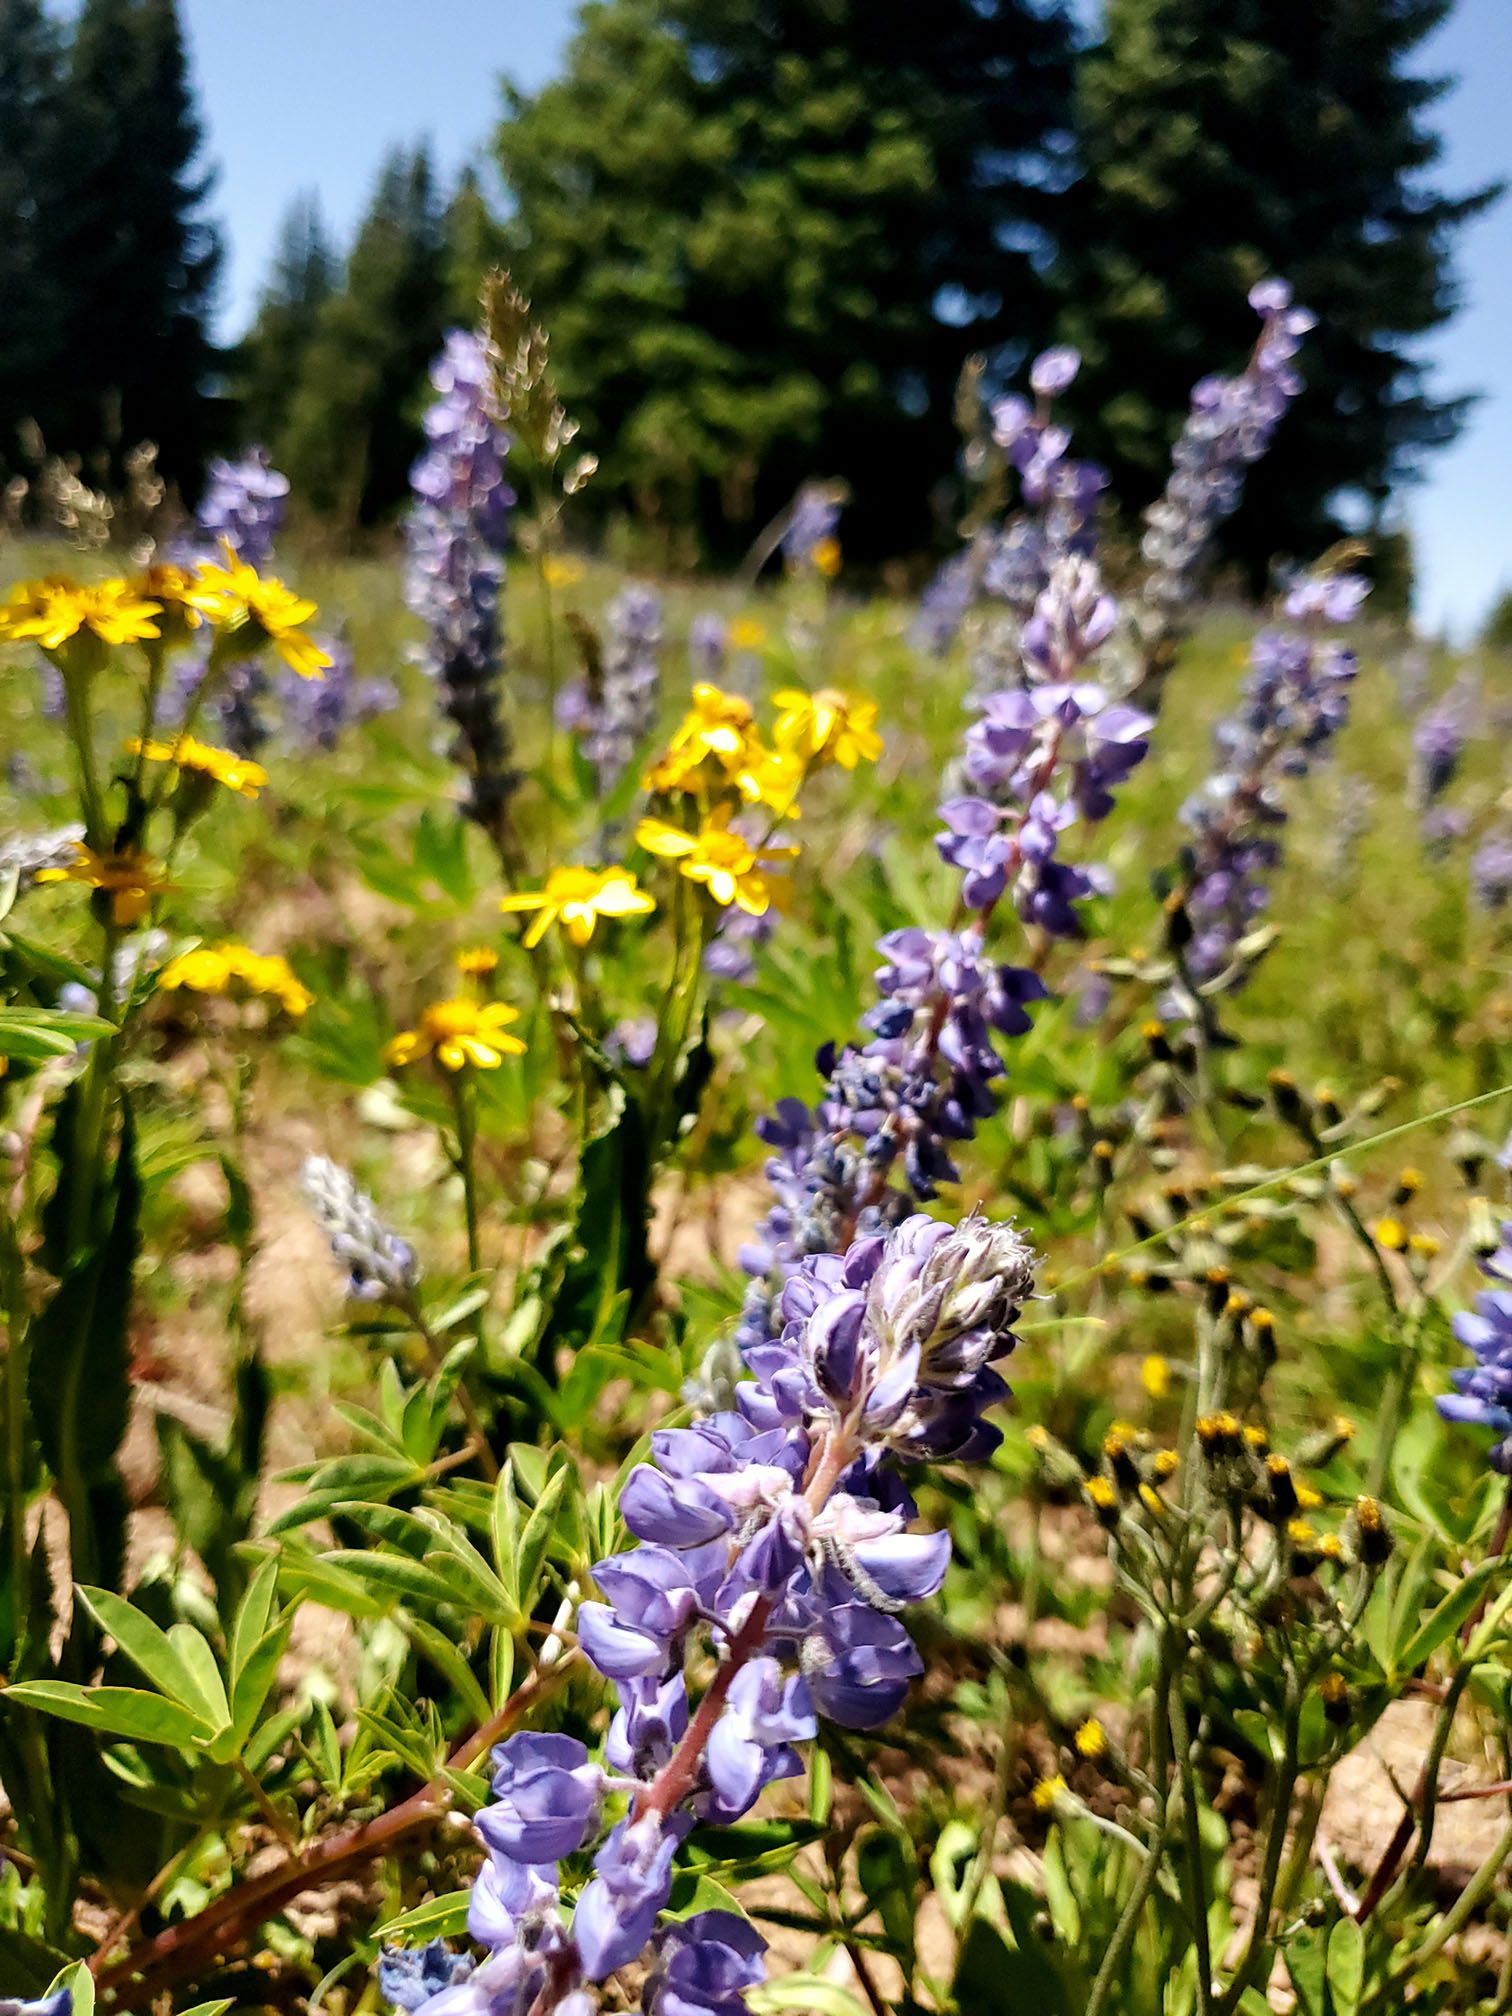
<point>306,273</point>
<point>353,426</point>
<point>766,233</point>
<point>31,86</point>
<point>133,250</point>
<point>1227,139</point>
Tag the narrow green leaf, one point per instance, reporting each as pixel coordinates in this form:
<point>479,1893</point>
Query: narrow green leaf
<point>1346,1966</point>
<point>194,1649</point>
<point>115,1711</point>
<point>437,1918</point>
<point>146,1645</point>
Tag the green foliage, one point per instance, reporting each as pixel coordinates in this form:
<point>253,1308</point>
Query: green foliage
<point>1220,144</point>
<point>740,218</point>
<point>352,424</point>
<point>272,355</point>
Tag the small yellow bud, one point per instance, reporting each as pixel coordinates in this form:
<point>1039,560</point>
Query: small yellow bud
<point>1155,1376</point>
<point>1045,1794</point>
<point>1390,1234</point>
<point>1091,1739</point>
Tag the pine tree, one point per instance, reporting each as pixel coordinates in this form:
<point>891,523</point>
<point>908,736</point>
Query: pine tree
<point>134,252</point>
<point>31,83</point>
<point>765,233</point>
<point>353,426</point>
<point>474,247</point>
<point>271,356</point>
<point>1227,139</point>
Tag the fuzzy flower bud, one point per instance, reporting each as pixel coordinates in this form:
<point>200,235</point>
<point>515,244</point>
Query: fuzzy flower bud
<point>382,1266</point>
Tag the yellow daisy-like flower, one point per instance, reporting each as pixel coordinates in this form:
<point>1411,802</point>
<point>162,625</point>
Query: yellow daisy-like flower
<point>827,726</point>
<point>128,876</point>
<point>719,725</point>
<point>773,777</point>
<point>732,869</point>
<point>1091,1739</point>
<point>211,969</point>
<point>1047,1792</point>
<point>173,588</point>
<point>576,898</point>
<point>237,773</point>
<point>561,570</point>
<point>825,558</point>
<point>236,596</point>
<point>476,962</point>
<point>459,1032</point>
<point>51,611</point>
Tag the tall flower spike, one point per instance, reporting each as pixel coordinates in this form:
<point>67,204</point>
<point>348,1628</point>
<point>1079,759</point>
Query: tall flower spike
<point>779,1534</point>
<point>613,707</point>
<point>380,1265</point>
<point>455,536</point>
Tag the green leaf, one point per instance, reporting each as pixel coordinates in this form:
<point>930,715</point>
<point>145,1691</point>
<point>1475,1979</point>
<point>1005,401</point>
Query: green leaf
<point>115,1711</point>
<point>808,1993</point>
<point>34,1035</point>
<point>445,1657</point>
<point>1449,1616</point>
<point>79,1982</point>
<point>210,1689</point>
<point>148,1647</point>
<point>254,1614</point>
<point>254,1679</point>
<point>1346,1966</point>
<point>537,1535</point>
<point>437,1918</point>
<point>395,1574</point>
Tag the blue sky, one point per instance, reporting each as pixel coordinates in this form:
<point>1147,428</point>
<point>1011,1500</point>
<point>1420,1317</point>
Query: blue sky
<point>307,93</point>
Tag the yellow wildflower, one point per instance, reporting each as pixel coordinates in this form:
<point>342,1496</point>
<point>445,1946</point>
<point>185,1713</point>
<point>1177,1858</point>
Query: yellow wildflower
<point>732,869</point>
<point>237,773</point>
<point>211,969</point>
<point>1155,1375</point>
<point>745,634</point>
<point>827,726</point>
<point>1046,1792</point>
<point>476,962</point>
<point>1091,1739</point>
<point>561,570</point>
<point>576,898</point>
<point>459,1032</point>
<point>236,596</point>
<point>773,777</point>
<point>128,876</point>
<point>173,588</point>
<point>1390,1233</point>
<point>826,558</point>
<point>53,610</point>
<point>718,724</point>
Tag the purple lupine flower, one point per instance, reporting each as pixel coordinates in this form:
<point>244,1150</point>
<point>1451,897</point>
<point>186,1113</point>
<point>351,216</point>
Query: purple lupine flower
<point>703,1966</point>
<point>244,505</point>
<point>1042,761</point>
<point>409,1976</point>
<point>455,537</point>
<point>1439,736</point>
<point>613,713</point>
<point>782,1535</point>
<point>708,647</point>
<point>1483,1391</point>
<point>546,1798</point>
<point>1294,701</point>
<point>1229,427</point>
<point>1491,871</point>
<point>314,712</point>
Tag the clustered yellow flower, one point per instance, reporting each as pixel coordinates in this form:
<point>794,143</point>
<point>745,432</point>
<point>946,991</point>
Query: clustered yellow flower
<point>827,726</point>
<point>457,1033</point>
<point>126,875</point>
<point>235,596</point>
<point>237,773</point>
<point>576,898</point>
<point>476,962</point>
<point>52,611</point>
<point>731,868</point>
<point>717,744</point>
<point>212,969</point>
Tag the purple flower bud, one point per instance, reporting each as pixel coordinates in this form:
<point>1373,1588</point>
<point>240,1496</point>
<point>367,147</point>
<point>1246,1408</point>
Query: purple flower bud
<point>1054,370</point>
